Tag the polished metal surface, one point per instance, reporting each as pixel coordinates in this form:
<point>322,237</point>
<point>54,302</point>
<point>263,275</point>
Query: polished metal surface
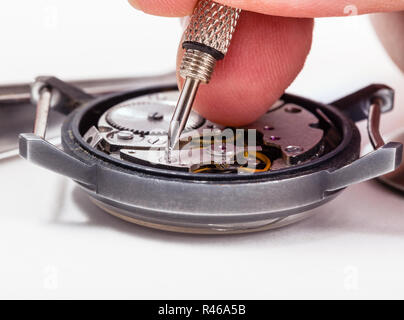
<point>293,130</point>
<point>373,125</point>
<point>17,118</point>
<point>93,137</point>
<point>395,179</point>
<point>182,112</point>
<point>147,115</point>
<point>42,112</point>
<point>186,203</point>
<point>214,229</point>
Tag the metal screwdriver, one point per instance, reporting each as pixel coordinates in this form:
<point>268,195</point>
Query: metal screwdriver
<point>206,40</point>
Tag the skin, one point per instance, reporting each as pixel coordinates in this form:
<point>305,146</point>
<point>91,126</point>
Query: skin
<point>268,50</point>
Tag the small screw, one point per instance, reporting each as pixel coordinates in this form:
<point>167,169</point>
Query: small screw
<point>274,138</point>
<point>153,140</point>
<point>156,140</point>
<point>268,128</point>
<point>293,149</point>
<point>125,135</point>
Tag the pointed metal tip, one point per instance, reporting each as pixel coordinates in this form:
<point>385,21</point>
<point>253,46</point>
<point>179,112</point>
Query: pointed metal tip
<point>181,113</point>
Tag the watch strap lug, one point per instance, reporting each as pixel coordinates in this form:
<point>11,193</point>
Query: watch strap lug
<point>65,97</point>
<point>356,105</point>
<point>45,154</point>
<point>377,163</point>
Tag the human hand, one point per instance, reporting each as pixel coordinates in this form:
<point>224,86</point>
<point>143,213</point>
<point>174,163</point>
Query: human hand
<point>268,51</point>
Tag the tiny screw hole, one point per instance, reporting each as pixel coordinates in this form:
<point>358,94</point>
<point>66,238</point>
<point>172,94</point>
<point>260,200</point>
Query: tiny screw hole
<point>293,110</point>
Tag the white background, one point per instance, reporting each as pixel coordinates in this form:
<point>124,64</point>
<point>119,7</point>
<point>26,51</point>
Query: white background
<point>54,243</point>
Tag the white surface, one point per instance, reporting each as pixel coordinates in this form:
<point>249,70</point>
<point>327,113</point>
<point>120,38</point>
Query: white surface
<point>54,243</point>
<point>86,39</point>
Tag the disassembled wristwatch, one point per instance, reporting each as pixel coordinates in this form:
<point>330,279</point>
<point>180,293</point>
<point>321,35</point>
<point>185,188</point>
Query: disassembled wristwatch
<point>306,154</point>
<point>144,156</point>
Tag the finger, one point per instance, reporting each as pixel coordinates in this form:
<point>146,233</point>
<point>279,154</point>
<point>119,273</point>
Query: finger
<point>266,55</point>
<point>168,8</point>
<point>316,8</point>
<point>288,8</point>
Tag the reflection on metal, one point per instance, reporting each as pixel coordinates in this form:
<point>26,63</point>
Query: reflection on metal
<point>374,125</point>
<point>396,178</point>
<point>42,112</point>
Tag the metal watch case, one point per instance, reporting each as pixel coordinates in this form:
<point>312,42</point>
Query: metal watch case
<point>213,203</point>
